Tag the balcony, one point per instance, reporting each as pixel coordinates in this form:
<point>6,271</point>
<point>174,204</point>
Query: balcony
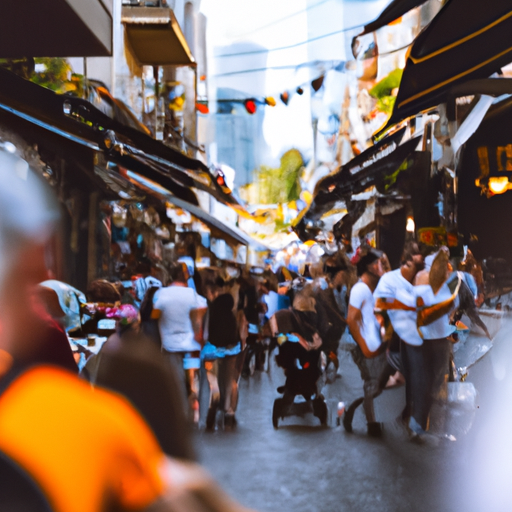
<point>154,34</point>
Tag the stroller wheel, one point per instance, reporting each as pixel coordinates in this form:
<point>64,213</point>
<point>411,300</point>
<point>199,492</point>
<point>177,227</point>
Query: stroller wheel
<point>330,373</point>
<point>276,412</point>
<point>320,410</point>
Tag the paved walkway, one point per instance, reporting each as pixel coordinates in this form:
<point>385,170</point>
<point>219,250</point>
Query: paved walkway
<point>302,467</point>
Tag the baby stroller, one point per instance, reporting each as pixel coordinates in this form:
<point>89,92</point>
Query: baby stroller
<point>301,367</point>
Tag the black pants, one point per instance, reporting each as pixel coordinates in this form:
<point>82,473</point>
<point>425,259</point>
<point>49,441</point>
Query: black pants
<point>426,375</point>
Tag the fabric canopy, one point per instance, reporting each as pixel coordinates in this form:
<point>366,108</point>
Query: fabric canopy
<point>367,169</point>
<point>233,233</point>
<point>466,40</point>
<point>64,115</point>
<point>393,11</point>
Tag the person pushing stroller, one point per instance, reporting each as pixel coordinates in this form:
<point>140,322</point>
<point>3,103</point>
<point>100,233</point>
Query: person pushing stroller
<point>299,356</point>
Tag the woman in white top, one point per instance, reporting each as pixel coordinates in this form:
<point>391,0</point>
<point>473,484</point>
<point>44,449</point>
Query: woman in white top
<point>436,298</point>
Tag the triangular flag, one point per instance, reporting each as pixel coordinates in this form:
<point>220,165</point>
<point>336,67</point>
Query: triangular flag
<point>317,83</point>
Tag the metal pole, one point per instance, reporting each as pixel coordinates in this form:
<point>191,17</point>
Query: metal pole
<point>156,70</point>
<point>85,79</point>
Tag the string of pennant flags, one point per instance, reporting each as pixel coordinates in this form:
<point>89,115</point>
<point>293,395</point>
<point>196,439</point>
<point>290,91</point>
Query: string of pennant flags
<point>251,104</point>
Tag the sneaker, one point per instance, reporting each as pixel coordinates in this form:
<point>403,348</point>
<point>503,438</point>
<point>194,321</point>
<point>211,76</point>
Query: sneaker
<point>375,429</point>
<point>229,421</point>
<point>349,414</point>
<point>425,439</point>
<point>320,410</point>
<point>210,418</point>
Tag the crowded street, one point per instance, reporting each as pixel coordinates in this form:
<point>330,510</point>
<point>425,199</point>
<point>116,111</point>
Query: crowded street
<point>255,256</point>
<point>268,469</point>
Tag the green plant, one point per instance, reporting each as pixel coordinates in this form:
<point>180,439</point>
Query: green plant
<point>281,184</point>
<point>55,73</point>
<point>383,91</point>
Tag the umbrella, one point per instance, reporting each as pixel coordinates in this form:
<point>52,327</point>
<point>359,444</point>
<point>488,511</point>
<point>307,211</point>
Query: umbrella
<point>466,40</point>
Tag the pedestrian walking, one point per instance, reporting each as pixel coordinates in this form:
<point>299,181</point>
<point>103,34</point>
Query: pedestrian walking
<point>368,353</point>
<point>180,312</point>
<point>223,346</point>
<point>436,292</point>
<point>395,297</point>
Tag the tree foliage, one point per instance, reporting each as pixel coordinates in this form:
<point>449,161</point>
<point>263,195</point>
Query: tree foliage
<point>281,184</point>
<point>56,74</point>
<point>383,91</point>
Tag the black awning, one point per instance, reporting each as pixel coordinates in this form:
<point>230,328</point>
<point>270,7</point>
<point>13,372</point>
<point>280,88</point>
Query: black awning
<point>466,40</point>
<point>393,11</point>
<point>232,233</point>
<point>368,157</point>
<point>79,120</point>
<point>55,28</point>
<point>370,168</point>
<point>155,37</point>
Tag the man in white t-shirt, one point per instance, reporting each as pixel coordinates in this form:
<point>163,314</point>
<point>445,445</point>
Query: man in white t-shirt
<point>369,353</point>
<point>180,312</point>
<point>395,295</point>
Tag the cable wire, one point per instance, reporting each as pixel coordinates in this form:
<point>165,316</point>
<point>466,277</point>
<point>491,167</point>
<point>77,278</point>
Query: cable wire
<point>296,66</point>
<point>253,52</point>
<point>286,18</point>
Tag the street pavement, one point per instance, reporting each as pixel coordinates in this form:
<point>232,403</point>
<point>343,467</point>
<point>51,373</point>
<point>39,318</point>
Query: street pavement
<point>303,467</point>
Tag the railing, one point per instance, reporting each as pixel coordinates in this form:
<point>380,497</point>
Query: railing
<point>146,3</point>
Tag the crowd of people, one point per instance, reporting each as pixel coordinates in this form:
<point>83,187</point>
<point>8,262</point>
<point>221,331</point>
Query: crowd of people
<point>66,445</point>
<point>401,324</point>
<point>178,352</point>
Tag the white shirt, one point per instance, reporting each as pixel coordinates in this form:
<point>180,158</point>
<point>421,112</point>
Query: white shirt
<point>440,328</point>
<point>393,285</point>
<point>361,298</point>
<point>175,304</point>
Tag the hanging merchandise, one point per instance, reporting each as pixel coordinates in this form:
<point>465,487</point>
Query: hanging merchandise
<point>175,95</point>
<point>137,212</point>
<point>221,180</point>
<point>119,215</point>
<point>151,217</point>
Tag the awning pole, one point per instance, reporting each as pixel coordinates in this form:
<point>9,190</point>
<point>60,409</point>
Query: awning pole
<point>85,79</point>
<point>156,72</point>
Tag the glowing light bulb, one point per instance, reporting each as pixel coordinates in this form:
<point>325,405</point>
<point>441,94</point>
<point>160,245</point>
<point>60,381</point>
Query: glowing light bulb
<point>498,185</point>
